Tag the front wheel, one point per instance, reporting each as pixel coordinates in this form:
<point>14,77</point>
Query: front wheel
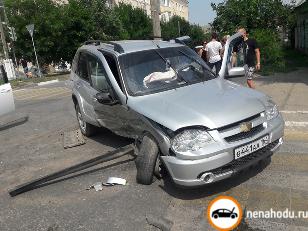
<point>146,160</point>
<point>85,128</point>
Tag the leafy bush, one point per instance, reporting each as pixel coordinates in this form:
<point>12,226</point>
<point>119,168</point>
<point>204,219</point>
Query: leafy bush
<point>272,58</point>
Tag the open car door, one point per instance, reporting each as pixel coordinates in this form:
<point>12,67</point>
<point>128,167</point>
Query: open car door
<point>233,65</point>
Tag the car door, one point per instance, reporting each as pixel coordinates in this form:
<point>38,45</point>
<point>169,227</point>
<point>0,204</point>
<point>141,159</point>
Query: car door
<point>6,97</point>
<point>111,116</point>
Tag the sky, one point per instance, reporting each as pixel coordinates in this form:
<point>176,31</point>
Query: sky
<point>201,12</point>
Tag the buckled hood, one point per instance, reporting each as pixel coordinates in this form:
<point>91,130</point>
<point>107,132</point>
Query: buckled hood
<point>212,104</point>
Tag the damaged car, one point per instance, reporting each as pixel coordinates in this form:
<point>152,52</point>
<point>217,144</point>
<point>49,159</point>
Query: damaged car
<point>201,127</point>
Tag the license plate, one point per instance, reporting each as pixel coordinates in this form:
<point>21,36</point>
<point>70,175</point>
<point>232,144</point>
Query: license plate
<point>251,147</point>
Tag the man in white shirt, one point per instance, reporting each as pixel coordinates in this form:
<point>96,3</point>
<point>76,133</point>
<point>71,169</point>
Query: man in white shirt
<point>214,49</point>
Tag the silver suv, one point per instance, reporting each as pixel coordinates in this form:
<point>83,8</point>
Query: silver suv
<point>201,127</point>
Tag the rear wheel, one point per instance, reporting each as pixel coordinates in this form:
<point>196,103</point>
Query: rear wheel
<point>146,160</point>
<point>85,128</point>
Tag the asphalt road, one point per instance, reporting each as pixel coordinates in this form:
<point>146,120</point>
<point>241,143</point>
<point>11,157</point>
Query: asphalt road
<point>35,148</point>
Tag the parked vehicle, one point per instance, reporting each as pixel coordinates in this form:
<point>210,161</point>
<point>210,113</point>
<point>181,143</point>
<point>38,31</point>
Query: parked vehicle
<point>201,127</point>
<point>6,97</point>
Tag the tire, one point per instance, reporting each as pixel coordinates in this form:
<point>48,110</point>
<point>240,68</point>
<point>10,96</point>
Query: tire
<point>85,128</point>
<point>215,216</point>
<point>146,161</point>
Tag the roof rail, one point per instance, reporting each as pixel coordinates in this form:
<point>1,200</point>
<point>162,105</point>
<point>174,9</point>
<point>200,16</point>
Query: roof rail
<point>94,42</point>
<point>117,47</point>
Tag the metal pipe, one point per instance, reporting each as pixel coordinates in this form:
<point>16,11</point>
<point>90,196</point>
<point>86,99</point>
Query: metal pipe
<point>129,149</point>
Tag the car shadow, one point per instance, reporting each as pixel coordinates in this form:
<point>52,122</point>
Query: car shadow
<point>185,193</point>
<point>108,138</point>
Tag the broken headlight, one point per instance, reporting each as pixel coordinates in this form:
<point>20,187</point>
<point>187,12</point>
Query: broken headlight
<point>191,140</point>
<point>271,110</point>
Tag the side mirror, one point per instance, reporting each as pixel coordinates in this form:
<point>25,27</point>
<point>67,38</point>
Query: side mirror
<point>236,71</point>
<point>105,98</point>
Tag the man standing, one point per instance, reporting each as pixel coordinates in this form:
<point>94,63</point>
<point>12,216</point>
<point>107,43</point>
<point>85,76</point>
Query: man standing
<point>213,50</point>
<point>251,56</point>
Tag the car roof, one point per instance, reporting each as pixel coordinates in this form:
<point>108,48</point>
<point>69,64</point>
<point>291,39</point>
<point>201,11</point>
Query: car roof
<point>129,46</point>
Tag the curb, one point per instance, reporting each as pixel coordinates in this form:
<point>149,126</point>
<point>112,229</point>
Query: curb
<point>48,82</point>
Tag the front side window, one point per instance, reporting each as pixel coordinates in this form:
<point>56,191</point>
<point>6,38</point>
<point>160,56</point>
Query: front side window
<point>163,69</point>
<point>98,74</point>
<point>82,68</point>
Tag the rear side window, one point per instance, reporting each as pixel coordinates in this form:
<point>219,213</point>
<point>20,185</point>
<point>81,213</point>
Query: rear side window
<point>82,69</point>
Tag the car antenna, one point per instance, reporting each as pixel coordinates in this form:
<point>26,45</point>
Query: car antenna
<point>156,44</point>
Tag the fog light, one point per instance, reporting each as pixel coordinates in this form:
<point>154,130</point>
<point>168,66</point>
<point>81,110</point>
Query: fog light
<point>208,177</point>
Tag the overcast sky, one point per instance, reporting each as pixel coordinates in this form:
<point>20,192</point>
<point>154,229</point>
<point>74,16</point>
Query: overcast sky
<point>201,12</point>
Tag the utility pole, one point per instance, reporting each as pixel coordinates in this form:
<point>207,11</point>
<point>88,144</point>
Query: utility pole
<point>155,11</point>
<point>5,49</point>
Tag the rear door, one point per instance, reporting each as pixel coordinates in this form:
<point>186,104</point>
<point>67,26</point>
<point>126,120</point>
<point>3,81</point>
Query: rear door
<point>6,97</point>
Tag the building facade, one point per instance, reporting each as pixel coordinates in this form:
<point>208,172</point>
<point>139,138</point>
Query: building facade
<point>168,8</point>
<point>143,4</point>
<point>301,29</point>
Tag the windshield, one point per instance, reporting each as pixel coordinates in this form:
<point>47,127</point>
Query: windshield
<point>158,70</point>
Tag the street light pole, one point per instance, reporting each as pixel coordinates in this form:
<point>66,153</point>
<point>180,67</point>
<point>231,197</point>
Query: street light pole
<point>30,28</point>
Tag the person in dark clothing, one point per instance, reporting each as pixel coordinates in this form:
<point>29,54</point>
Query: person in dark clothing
<point>251,56</point>
<point>204,54</point>
<point>23,63</point>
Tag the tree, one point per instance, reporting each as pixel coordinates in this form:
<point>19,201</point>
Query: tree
<point>136,22</point>
<point>61,28</point>
<point>178,26</point>
<point>252,14</point>
<point>45,15</point>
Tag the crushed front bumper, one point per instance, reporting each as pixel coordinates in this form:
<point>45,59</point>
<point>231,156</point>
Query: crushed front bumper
<point>222,165</point>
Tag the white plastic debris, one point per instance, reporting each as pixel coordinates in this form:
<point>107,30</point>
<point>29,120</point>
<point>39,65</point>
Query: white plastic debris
<point>115,181</point>
<point>98,186</point>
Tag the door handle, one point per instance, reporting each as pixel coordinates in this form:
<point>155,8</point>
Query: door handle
<point>78,85</point>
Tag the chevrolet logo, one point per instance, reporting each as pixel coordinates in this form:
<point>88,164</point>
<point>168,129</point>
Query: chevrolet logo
<point>246,127</point>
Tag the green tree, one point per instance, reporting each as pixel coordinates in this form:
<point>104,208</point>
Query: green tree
<point>252,14</point>
<point>178,26</point>
<point>48,25</point>
<point>61,29</point>
<point>136,22</point>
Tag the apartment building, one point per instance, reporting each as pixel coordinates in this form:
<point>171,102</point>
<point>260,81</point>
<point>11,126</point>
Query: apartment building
<point>168,8</point>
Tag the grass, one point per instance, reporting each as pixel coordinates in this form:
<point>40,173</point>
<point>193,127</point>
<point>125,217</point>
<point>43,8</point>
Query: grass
<point>17,83</point>
<point>292,60</point>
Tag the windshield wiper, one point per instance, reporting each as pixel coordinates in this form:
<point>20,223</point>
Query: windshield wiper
<point>197,61</point>
<point>167,62</point>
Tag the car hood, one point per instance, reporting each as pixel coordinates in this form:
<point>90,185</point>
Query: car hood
<point>213,104</point>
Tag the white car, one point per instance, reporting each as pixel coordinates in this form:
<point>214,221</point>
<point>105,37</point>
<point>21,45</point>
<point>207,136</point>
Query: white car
<point>6,98</point>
